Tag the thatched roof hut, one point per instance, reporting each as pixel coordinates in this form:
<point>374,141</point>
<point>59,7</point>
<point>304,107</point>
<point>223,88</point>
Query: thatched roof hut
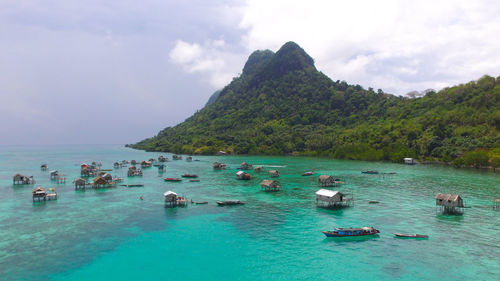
<point>39,190</point>
<point>79,183</point>
<point>44,167</point>
<point>243,176</point>
<point>108,177</point>
<point>325,180</point>
<point>161,158</point>
<point>189,158</point>
<point>88,171</point>
<point>18,178</point>
<point>245,166</point>
<point>450,203</point>
<point>258,169</point>
<point>219,166</point>
<point>133,171</point>
<point>133,162</point>
<point>39,193</point>
<point>100,182</point>
<point>146,164</point>
<point>449,200</point>
<point>21,179</point>
<point>270,185</point>
<point>274,173</point>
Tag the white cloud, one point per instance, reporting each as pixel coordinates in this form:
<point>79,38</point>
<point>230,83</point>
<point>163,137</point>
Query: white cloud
<point>395,45</point>
<point>213,60</point>
<point>184,52</point>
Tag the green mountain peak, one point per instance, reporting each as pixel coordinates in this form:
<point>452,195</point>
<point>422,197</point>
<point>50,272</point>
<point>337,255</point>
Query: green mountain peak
<point>281,104</point>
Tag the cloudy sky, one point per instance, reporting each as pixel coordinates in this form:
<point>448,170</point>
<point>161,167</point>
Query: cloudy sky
<point>101,71</point>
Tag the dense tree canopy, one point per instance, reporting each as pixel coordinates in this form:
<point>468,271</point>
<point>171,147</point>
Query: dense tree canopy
<point>282,105</point>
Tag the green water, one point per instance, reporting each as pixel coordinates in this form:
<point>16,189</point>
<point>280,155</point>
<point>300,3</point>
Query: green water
<point>112,235</point>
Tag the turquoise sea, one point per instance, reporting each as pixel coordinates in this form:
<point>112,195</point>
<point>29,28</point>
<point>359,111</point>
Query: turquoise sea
<point>111,234</point>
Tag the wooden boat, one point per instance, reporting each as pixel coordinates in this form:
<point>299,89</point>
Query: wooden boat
<point>351,232</point>
<point>172,179</point>
<point>370,172</point>
<point>310,173</point>
<point>373,202</point>
<point>201,203</point>
<point>196,180</point>
<point>230,203</point>
<point>189,176</point>
<point>410,235</point>
<point>132,185</point>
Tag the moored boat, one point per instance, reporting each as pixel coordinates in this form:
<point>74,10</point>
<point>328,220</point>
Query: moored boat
<point>172,179</point>
<point>410,235</point>
<point>310,173</point>
<point>351,232</point>
<point>370,172</point>
<point>189,176</point>
<point>230,203</point>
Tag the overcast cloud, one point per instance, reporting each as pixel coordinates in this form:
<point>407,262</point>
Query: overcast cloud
<point>119,71</point>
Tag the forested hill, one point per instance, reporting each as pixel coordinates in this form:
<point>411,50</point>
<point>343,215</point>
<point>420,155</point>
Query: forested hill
<point>281,104</point>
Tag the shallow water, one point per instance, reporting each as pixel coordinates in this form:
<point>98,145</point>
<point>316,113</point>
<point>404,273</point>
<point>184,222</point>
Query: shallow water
<point>112,235</point>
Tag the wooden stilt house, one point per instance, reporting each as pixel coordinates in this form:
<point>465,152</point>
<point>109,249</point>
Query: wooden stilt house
<point>450,203</point>
<point>21,179</point>
<point>270,185</point>
<point>332,199</point>
<point>173,200</point>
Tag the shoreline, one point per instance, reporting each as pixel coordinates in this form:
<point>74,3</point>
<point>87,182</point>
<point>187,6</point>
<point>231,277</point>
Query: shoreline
<point>482,168</point>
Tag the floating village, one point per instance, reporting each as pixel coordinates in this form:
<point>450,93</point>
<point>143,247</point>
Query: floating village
<point>330,193</point>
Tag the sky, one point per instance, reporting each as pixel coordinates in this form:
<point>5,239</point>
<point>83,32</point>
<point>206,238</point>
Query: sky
<point>116,72</point>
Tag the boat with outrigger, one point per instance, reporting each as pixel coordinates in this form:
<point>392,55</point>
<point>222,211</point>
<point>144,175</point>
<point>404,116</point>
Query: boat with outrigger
<point>230,203</point>
<point>370,172</point>
<point>417,236</point>
<point>351,232</point>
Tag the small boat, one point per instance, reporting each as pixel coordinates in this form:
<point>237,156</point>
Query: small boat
<point>189,176</point>
<point>230,203</point>
<point>310,173</point>
<point>370,172</point>
<point>132,185</point>
<point>172,179</point>
<point>410,235</point>
<point>351,232</point>
<point>373,202</point>
<point>201,203</point>
<point>195,180</point>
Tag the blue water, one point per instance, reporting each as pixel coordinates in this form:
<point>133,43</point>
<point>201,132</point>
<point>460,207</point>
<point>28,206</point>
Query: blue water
<point>110,234</point>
